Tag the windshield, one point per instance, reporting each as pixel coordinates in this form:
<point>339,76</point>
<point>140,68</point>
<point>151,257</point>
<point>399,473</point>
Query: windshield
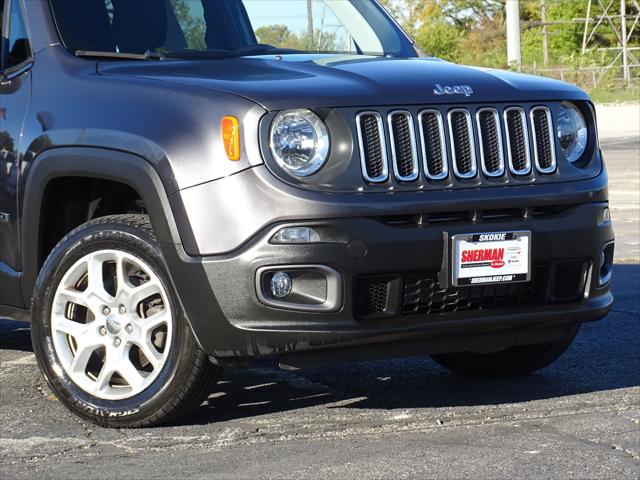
<point>202,28</point>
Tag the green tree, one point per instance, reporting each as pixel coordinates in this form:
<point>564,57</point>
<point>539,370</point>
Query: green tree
<point>278,36</point>
<point>408,12</point>
<point>192,27</point>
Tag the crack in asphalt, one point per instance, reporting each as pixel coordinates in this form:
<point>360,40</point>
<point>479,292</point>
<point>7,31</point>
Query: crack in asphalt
<point>628,452</point>
<point>237,437</point>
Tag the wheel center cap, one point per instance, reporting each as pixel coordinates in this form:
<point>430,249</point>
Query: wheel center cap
<point>112,324</point>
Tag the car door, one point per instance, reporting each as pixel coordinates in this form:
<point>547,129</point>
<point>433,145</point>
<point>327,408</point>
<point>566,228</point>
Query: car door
<point>15,91</point>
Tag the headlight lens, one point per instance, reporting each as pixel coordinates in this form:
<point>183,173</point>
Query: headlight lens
<point>299,142</point>
<point>572,132</point>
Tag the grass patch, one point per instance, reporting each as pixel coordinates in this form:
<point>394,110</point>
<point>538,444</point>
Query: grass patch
<point>616,95</point>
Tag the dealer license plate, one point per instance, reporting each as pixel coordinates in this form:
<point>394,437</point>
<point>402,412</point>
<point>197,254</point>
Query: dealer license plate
<point>491,258</point>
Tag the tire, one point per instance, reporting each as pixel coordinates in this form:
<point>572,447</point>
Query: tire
<point>103,304</point>
<point>510,362</point>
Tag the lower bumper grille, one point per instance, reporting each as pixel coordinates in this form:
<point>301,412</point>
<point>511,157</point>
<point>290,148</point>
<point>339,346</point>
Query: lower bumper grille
<point>421,294</point>
<point>375,297</point>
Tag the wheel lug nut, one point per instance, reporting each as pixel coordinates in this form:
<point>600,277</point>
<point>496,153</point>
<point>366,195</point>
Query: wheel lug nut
<point>102,331</point>
<point>106,311</point>
<point>122,310</point>
<point>117,342</point>
<point>129,328</point>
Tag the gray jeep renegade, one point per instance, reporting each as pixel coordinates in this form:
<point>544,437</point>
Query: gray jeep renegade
<point>188,185</point>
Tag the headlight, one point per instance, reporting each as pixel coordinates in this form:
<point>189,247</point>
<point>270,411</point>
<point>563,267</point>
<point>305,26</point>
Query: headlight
<point>299,142</point>
<point>572,132</point>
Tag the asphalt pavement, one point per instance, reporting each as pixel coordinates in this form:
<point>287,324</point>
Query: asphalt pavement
<point>409,418</point>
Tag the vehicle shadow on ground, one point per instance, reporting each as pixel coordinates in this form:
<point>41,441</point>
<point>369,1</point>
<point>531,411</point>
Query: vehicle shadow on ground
<point>604,356</point>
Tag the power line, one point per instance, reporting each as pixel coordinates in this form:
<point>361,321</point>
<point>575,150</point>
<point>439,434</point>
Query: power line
<point>621,23</point>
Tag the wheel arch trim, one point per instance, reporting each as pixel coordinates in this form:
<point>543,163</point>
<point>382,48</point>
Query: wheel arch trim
<point>90,162</point>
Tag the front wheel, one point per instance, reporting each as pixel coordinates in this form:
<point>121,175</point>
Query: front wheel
<point>108,330</point>
<point>511,361</point>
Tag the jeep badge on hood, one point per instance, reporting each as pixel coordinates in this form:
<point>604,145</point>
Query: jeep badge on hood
<point>465,90</point>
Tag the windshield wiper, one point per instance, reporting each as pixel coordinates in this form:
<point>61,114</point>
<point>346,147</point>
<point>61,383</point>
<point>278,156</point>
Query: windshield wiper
<point>250,50</point>
<point>120,55</point>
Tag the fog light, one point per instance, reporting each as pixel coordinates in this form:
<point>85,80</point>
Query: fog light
<point>606,264</point>
<point>281,285</point>
<point>296,235</point>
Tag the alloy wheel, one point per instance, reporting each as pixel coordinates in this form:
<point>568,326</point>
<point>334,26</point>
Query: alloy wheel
<point>111,324</point>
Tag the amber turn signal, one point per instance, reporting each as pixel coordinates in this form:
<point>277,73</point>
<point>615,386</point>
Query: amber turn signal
<point>231,137</point>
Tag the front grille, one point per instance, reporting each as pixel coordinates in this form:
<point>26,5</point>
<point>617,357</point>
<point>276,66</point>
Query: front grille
<point>373,149</point>
<point>388,296</point>
<point>403,146</point>
<point>434,148</point>
<point>498,137</point>
<point>462,144</point>
<point>517,141</point>
<point>543,145</point>
<point>490,137</point>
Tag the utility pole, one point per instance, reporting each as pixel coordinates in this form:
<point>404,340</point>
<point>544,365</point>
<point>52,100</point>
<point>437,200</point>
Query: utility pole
<point>545,35</point>
<point>310,24</point>
<point>514,56</point>
<point>625,52</point>
<point>586,29</point>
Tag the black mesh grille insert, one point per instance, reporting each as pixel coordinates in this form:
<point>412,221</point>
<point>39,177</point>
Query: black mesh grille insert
<point>491,152</point>
<point>388,296</point>
<point>550,282</point>
<point>543,139</point>
<point>371,296</point>
<point>423,294</point>
<point>517,141</point>
<point>403,145</point>
<point>372,147</point>
<point>462,145</point>
<point>433,143</point>
<point>569,279</point>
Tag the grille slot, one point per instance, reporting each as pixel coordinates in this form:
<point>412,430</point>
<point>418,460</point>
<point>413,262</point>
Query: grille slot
<point>434,150</point>
<point>373,148</point>
<point>490,139</point>
<point>462,143</point>
<point>543,140</point>
<point>403,146</point>
<point>517,141</point>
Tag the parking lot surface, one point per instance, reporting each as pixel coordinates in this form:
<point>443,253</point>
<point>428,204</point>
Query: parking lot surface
<point>578,418</point>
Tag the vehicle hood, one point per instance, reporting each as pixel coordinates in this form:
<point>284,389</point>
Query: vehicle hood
<point>316,81</point>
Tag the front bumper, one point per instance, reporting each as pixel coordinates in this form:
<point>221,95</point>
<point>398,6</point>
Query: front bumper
<point>219,294</point>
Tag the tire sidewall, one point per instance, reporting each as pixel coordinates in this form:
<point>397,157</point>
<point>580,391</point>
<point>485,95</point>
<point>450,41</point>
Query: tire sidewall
<point>81,242</point>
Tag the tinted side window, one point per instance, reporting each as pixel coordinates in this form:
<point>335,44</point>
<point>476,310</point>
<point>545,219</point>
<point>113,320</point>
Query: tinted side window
<point>19,46</point>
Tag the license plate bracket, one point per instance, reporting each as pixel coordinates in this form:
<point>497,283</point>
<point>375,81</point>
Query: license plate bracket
<point>490,258</point>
